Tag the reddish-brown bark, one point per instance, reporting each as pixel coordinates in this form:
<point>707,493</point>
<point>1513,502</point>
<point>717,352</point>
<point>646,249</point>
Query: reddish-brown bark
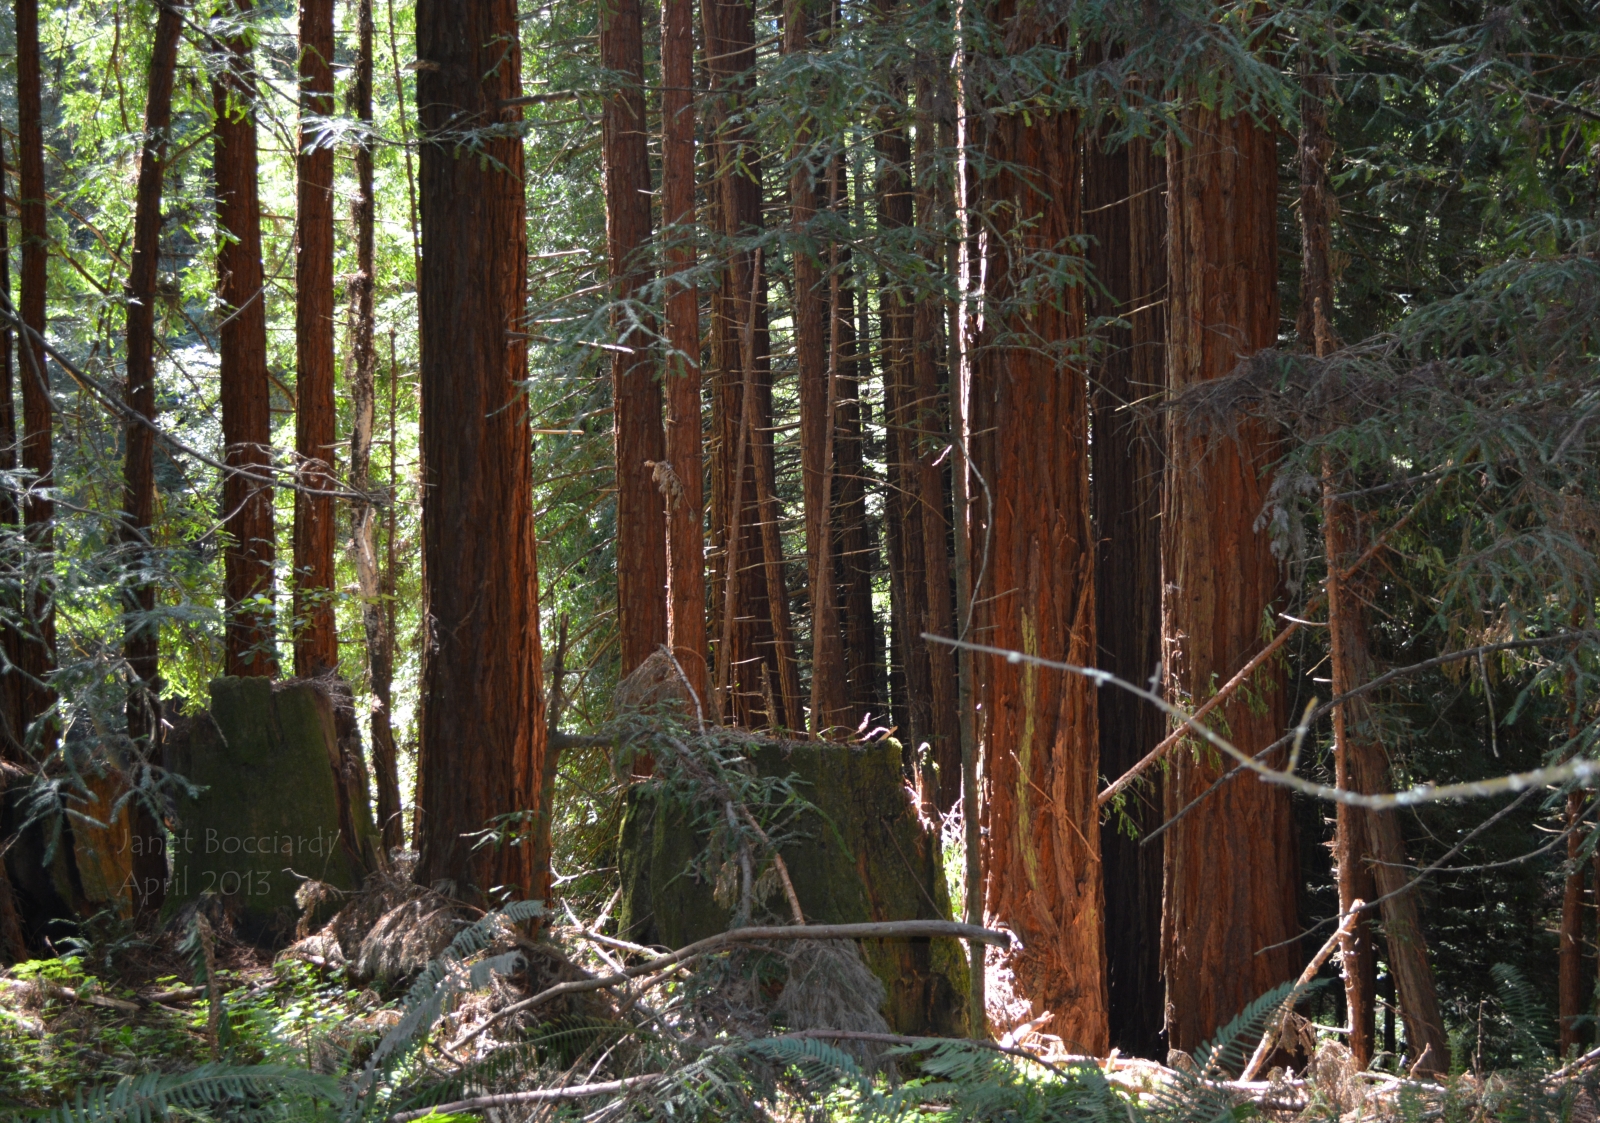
<point>363,401</point>
<point>1125,215</point>
<point>639,441</point>
<point>1042,857</point>
<point>1229,923</point>
<point>1571,1002</point>
<point>817,363</point>
<point>38,645</point>
<point>242,353</point>
<point>755,655</point>
<point>686,581</point>
<point>316,642</point>
<point>482,736</point>
<point>141,634</point>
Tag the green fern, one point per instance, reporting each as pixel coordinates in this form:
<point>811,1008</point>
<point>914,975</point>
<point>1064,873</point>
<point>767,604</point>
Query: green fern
<point>243,1092</point>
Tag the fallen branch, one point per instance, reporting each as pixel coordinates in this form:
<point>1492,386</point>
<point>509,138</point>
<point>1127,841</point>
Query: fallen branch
<point>56,990</point>
<point>539,1095</point>
<point>1269,1035</point>
<point>882,930</point>
<point>928,1043</point>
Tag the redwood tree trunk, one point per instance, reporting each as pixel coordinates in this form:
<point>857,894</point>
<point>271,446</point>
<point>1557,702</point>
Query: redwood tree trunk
<point>639,442</point>
<point>316,643</point>
<point>482,736</point>
<point>246,420</point>
<point>363,395</point>
<point>12,687</point>
<point>141,630</point>
<point>755,655</point>
<point>929,445</point>
<point>1124,214</point>
<point>686,592</point>
<point>1229,923</point>
<point>38,412</point>
<point>1042,862</point>
<point>817,360</point>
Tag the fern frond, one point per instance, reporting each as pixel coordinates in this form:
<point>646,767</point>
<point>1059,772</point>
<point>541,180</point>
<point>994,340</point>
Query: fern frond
<point>147,1098</point>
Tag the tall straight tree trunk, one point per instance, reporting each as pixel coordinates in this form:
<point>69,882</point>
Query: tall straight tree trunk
<point>930,452</point>
<point>1229,925</point>
<point>1127,254</point>
<point>1570,998</point>
<point>363,395</point>
<point>141,630</point>
<point>908,584</point>
<point>483,736</point>
<point>1041,760</point>
<point>855,546</point>
<point>686,579</point>
<point>817,360</point>
<point>755,655</point>
<point>13,689</point>
<point>316,642</point>
<point>246,417</point>
<point>38,411</point>
<point>639,441</point>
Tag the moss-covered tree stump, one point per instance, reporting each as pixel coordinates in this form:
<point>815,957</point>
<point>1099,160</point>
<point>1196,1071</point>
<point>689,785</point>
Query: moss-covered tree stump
<point>283,799</point>
<point>869,860</point>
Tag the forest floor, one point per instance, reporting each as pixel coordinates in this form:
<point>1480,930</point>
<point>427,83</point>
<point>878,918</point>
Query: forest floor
<point>120,1006</point>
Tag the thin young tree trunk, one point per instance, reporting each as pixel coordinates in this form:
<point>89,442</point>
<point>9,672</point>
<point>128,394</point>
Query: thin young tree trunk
<point>908,586</point>
<point>1357,954</point>
<point>363,402</point>
<point>1229,922</point>
<point>38,411</point>
<point>1128,264</point>
<point>483,735</point>
<point>12,686</point>
<point>1042,862</point>
<point>686,593</point>
<point>816,358</point>
<point>141,630</point>
<point>316,641</point>
<point>929,440</point>
<point>246,417</point>
<point>639,441</point>
<point>760,636</point>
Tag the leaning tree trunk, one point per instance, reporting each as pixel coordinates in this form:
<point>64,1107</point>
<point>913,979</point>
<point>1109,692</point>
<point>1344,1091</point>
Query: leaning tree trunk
<point>1042,862</point>
<point>482,737</point>
<point>38,411</point>
<point>242,353</point>
<point>635,392</point>
<point>686,585</point>
<point>363,403</point>
<point>1124,215</point>
<point>817,363</point>
<point>316,642</point>
<point>1230,923</point>
<point>141,630</point>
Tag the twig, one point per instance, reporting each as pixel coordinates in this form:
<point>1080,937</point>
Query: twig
<point>539,1095</point>
<point>1270,1036</point>
<point>880,930</point>
<point>928,1043</point>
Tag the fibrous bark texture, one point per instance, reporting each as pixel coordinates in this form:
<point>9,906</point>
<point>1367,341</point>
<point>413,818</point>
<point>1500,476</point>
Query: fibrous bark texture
<point>316,643</point>
<point>1229,923</point>
<point>756,671</point>
<point>482,736</point>
<point>686,587</point>
<point>12,686</point>
<point>1125,215</point>
<point>639,443</point>
<point>1040,752</point>
<point>242,352</point>
<point>38,410</point>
